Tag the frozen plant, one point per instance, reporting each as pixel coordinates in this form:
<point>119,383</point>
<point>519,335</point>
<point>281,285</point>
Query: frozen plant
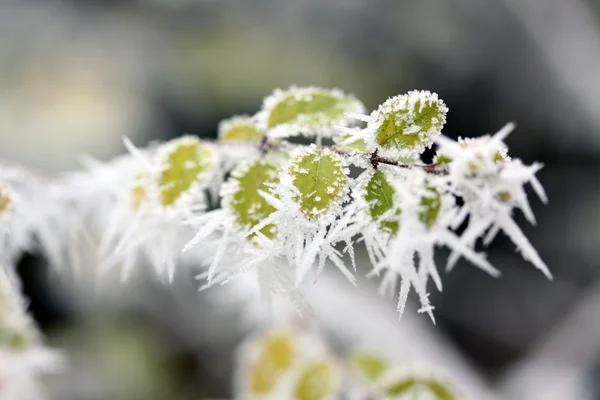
<point>294,189</point>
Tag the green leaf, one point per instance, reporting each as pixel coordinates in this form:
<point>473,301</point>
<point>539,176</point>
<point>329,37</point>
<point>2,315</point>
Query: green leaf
<point>317,381</point>
<point>276,355</point>
<point>240,129</point>
<point>308,108</point>
<point>406,124</point>
<point>441,159</point>
<point>379,194</point>
<point>320,179</point>
<point>431,204</point>
<point>248,206</point>
<point>370,366</point>
<point>186,160</point>
<point>417,385</point>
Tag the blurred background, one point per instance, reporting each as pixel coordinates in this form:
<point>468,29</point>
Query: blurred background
<point>77,75</point>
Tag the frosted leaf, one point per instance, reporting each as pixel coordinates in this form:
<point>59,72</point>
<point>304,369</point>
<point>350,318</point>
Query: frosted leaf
<point>185,165</point>
<point>306,110</point>
<point>442,159</point>
<point>286,363</point>
<point>405,125</point>
<point>419,387</point>
<point>303,241</point>
<point>319,178</point>
<point>417,382</point>
<point>318,381</point>
<point>158,189</point>
<point>240,128</point>
<point>242,194</point>
<point>430,206</point>
<point>276,356</point>
<point>369,366</point>
<point>381,199</point>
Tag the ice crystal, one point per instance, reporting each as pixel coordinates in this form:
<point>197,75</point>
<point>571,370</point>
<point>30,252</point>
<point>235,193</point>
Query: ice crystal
<point>492,185</point>
<point>166,186</point>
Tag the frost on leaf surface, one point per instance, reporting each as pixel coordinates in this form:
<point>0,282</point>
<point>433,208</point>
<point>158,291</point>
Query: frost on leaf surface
<point>186,160</point>
<point>319,177</point>
<point>307,110</point>
<point>317,381</point>
<point>246,202</point>
<point>380,196</point>
<point>405,125</point>
<point>240,128</point>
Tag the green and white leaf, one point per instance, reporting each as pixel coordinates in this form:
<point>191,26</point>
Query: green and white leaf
<point>380,197</point>
<point>431,204</point>
<point>308,111</point>
<point>368,365</point>
<point>416,387</point>
<point>318,381</point>
<point>240,128</point>
<point>241,194</point>
<point>405,125</point>
<point>275,355</point>
<point>186,166</point>
<point>319,182</point>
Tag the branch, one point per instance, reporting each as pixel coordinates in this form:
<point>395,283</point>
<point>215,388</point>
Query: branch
<point>373,158</point>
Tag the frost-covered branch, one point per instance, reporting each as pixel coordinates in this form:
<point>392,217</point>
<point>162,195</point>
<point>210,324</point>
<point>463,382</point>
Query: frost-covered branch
<point>256,199</point>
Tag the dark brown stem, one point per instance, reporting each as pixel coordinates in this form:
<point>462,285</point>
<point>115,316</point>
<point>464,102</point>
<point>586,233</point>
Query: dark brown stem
<point>374,158</point>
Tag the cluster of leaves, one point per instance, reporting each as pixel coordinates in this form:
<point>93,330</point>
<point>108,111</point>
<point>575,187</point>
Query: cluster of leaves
<point>284,362</point>
<point>262,199</point>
